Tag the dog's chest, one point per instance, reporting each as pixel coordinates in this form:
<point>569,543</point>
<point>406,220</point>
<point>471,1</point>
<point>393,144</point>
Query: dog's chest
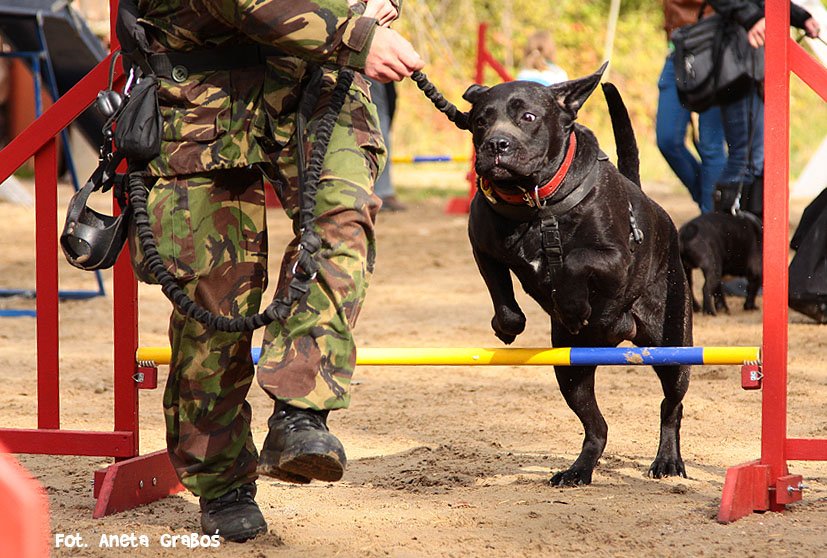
<point>536,253</point>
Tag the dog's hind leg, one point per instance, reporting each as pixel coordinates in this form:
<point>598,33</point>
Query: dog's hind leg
<point>577,386</point>
<point>668,462</point>
<point>754,274</point>
<point>712,292</point>
<point>687,270</point>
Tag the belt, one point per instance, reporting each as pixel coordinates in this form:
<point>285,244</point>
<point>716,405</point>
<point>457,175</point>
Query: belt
<point>179,65</point>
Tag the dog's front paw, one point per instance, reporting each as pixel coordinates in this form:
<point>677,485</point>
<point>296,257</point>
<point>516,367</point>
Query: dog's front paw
<point>505,338</point>
<point>662,468</point>
<point>750,305</point>
<point>572,477</point>
<point>507,325</point>
<point>574,326</point>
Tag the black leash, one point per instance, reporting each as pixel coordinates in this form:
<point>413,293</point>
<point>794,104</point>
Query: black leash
<point>459,118</point>
<point>305,267</point>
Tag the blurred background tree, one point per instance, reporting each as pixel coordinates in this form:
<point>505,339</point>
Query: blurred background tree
<point>445,33</point>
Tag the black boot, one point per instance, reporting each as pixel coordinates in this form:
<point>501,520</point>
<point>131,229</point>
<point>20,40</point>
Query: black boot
<point>727,197</point>
<point>234,516</point>
<point>299,447</point>
<point>753,200</point>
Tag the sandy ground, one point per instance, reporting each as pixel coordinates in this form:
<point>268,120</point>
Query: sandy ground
<point>443,461</point>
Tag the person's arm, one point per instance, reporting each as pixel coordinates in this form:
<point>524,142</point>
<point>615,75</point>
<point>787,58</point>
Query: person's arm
<point>801,18</point>
<point>751,16</point>
<point>746,13</point>
<point>322,31</point>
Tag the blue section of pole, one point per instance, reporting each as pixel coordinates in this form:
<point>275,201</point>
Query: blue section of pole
<point>595,356</point>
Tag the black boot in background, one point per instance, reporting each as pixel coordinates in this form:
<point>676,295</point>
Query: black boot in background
<point>235,516</point>
<point>299,447</point>
<point>753,198</point>
<point>727,197</point>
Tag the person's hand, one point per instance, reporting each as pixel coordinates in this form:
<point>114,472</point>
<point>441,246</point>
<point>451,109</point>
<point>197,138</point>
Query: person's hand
<point>391,57</point>
<point>381,10</point>
<point>755,36</point>
<point>812,28</point>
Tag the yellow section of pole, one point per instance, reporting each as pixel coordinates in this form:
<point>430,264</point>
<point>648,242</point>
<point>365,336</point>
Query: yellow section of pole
<point>158,355</point>
<point>460,356</point>
<point>731,355</point>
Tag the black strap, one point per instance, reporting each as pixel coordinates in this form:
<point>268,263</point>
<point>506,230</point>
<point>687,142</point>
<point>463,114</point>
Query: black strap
<point>552,246</point>
<point>551,241</point>
<point>209,60</point>
<point>704,4</point>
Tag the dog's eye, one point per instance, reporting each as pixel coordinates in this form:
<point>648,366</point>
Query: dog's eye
<point>479,122</point>
<point>529,117</point>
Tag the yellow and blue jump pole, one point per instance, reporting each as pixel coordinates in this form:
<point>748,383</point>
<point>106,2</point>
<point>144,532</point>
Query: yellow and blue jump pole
<point>570,356</point>
<point>413,159</point>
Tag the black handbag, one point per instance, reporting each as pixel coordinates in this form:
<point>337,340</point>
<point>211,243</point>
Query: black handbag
<point>714,62</point>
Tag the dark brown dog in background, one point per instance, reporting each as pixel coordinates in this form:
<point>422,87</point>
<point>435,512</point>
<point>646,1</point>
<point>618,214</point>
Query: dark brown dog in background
<point>722,244</point>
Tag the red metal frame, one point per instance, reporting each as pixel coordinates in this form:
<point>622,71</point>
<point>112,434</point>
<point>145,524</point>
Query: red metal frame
<point>461,205</point>
<point>38,140</point>
<point>765,484</point>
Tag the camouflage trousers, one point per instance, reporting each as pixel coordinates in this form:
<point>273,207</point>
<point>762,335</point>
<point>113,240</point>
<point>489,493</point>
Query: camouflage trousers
<point>212,236</point>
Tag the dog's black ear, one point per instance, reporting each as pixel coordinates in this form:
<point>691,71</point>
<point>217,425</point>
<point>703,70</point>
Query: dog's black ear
<point>473,93</point>
<point>571,95</point>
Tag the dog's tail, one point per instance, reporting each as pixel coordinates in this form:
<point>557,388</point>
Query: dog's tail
<point>628,158</point>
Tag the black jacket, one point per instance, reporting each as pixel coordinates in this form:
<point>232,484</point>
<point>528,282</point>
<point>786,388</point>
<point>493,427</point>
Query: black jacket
<point>748,12</point>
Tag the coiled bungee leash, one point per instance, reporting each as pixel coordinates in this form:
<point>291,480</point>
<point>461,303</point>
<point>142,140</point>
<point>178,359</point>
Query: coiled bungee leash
<point>306,266</point>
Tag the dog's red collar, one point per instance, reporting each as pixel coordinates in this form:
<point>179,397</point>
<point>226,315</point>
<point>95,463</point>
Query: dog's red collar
<point>540,192</point>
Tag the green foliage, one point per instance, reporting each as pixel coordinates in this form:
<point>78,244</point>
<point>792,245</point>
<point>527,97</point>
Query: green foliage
<point>445,33</point>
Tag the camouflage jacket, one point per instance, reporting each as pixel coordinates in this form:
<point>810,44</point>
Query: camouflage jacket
<point>234,118</point>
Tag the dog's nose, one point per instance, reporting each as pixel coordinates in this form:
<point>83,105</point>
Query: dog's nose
<point>499,145</point>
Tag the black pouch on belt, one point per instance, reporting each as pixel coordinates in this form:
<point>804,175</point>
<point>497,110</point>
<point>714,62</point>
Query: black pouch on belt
<point>138,128</point>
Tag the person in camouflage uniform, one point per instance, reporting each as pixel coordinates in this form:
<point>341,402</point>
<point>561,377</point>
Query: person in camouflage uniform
<point>222,130</point>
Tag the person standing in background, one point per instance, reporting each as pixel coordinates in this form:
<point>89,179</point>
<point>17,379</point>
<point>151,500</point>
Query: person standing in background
<point>698,175</point>
<point>538,61</point>
<point>743,119</point>
<point>383,96</point>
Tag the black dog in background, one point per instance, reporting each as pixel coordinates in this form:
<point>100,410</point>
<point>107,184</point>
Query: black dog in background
<point>720,244</point>
<point>598,255</point>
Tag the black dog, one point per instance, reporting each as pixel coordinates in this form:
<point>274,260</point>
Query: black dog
<point>585,242</point>
<point>722,244</point>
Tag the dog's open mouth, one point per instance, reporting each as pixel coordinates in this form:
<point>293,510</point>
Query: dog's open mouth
<point>500,169</point>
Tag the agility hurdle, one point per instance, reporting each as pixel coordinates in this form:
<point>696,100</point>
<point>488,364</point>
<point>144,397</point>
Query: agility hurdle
<point>529,356</point>
<point>132,480</point>
<point>766,484</point>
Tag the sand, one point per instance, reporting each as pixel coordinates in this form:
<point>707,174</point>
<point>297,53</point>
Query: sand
<point>443,461</point>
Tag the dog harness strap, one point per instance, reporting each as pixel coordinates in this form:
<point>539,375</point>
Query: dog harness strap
<point>635,235</point>
<point>576,196</point>
<point>552,246</point>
